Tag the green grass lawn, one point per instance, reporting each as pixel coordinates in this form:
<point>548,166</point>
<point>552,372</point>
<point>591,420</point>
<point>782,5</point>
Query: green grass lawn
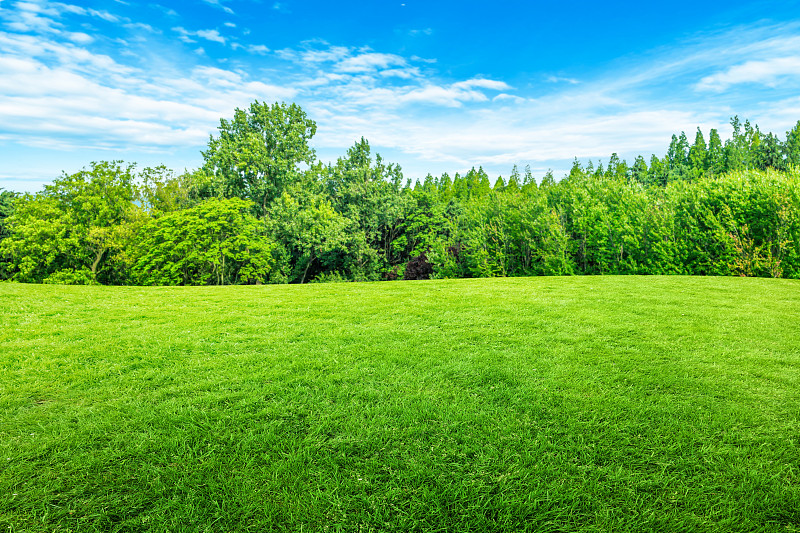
<point>527,404</point>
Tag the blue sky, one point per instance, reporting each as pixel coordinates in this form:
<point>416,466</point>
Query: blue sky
<point>434,86</point>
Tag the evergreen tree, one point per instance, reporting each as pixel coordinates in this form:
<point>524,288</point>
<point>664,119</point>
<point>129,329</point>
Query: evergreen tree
<point>528,180</point>
<point>513,180</point>
<point>599,172</point>
<point>659,170</point>
<point>677,157</point>
<point>769,153</point>
<point>698,156</point>
<point>738,147</point>
<point>791,148</point>
<point>445,187</point>
<point>617,168</point>
<point>548,180</point>
<point>484,185</point>
<point>715,156</point>
<point>576,171</point>
<point>460,189</point>
<point>639,171</point>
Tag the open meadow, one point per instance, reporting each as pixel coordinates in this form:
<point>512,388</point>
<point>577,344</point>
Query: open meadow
<point>517,404</point>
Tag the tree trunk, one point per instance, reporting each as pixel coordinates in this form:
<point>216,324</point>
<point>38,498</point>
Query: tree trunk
<point>97,260</point>
<point>305,272</point>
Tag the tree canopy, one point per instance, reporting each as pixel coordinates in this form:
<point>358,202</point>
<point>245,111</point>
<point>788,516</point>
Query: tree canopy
<point>259,153</point>
<point>262,209</point>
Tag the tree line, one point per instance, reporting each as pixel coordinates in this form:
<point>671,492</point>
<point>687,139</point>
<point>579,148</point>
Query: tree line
<point>263,209</point>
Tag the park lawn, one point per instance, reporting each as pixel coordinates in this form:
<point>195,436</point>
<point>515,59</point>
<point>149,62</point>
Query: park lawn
<point>523,404</point>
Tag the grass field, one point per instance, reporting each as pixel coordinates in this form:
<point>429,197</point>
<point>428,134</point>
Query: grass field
<point>527,404</point>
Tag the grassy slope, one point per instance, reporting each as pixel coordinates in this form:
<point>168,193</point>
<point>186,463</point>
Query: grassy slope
<point>542,404</point>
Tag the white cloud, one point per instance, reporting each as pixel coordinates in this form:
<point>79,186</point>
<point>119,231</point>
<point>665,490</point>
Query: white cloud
<point>80,101</point>
<point>505,97</point>
<point>218,4</point>
<point>210,35</point>
<point>105,15</point>
<point>767,72</point>
<point>141,26</point>
<point>482,83</point>
<point>370,61</point>
<point>69,8</point>
<point>404,73</point>
<point>183,34</point>
<point>258,49</point>
<point>79,37</point>
<point>60,93</point>
<point>166,10</point>
<point>560,79</point>
<point>333,53</point>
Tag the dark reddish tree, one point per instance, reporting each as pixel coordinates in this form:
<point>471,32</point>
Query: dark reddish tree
<point>418,268</point>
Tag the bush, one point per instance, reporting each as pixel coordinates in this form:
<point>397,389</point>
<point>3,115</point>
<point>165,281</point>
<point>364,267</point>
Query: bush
<point>418,268</point>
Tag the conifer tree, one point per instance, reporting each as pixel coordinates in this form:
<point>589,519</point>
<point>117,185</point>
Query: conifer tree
<point>792,146</point>
<point>715,157</point>
<point>698,155</point>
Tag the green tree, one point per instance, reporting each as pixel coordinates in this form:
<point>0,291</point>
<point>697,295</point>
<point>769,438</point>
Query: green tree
<point>698,156</point>
<point>639,171</point>
<point>739,149</point>
<point>76,229</point>
<point>527,179</point>
<point>677,158</point>
<point>769,153</point>
<point>513,184</point>
<point>617,168</point>
<point>259,153</point>
<point>315,238</point>
<point>499,185</point>
<point>548,180</point>
<point>715,156</point>
<point>659,170</point>
<point>6,210</point>
<point>368,192</point>
<point>160,190</point>
<point>792,146</point>
<point>217,242</point>
<point>445,187</point>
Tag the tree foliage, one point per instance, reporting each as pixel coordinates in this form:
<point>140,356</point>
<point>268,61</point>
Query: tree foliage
<point>217,242</point>
<point>76,229</point>
<point>263,210</point>
<point>259,153</point>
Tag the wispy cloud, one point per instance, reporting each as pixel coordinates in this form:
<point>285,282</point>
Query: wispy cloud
<point>369,62</point>
<point>258,49</point>
<point>168,11</point>
<point>58,94</point>
<point>767,72</point>
<point>141,26</point>
<point>561,79</point>
<point>61,89</point>
<point>220,5</point>
<point>209,35</point>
